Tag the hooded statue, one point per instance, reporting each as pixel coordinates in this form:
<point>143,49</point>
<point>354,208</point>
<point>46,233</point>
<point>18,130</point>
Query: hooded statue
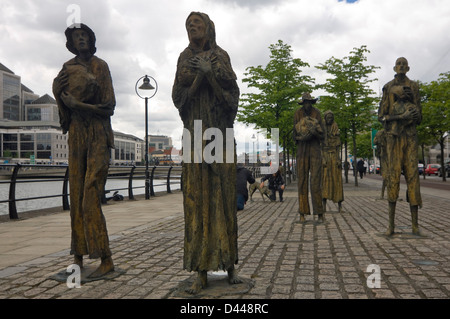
<point>205,90</point>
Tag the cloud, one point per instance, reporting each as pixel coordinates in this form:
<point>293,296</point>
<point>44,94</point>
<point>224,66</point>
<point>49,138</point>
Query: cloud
<point>146,37</point>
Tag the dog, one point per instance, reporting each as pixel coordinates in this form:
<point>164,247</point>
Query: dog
<point>263,191</point>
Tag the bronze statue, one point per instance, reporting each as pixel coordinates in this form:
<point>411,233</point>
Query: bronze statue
<point>332,187</point>
<point>84,92</point>
<point>205,89</point>
<point>308,135</point>
<point>400,112</point>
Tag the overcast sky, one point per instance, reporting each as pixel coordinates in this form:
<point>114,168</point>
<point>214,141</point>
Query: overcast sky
<point>138,37</point>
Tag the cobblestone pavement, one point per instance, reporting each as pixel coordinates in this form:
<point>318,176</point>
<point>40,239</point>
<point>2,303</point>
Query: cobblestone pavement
<point>280,257</point>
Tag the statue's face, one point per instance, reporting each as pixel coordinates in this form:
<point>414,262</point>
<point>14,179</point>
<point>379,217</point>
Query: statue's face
<point>196,28</point>
<point>80,40</point>
<point>307,105</point>
<point>329,119</point>
<point>401,66</point>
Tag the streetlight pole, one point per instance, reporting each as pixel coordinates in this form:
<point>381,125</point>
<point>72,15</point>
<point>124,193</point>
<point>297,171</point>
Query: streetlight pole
<point>147,178</point>
<point>148,87</point>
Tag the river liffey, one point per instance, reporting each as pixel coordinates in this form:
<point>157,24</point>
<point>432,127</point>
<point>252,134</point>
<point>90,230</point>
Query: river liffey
<point>38,189</point>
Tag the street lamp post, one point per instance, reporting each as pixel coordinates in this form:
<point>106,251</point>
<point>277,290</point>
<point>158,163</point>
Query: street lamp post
<point>147,87</point>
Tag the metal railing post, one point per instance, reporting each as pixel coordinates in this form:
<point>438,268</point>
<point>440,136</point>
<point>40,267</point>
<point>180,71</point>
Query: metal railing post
<point>168,180</point>
<point>65,191</point>
<point>12,194</point>
<point>130,183</point>
<point>152,190</point>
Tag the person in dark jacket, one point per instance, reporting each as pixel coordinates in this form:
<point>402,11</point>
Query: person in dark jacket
<point>360,167</point>
<point>276,183</point>
<point>243,176</point>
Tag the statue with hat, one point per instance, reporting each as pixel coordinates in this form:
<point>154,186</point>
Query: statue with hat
<point>85,96</point>
<point>400,112</point>
<point>308,136</point>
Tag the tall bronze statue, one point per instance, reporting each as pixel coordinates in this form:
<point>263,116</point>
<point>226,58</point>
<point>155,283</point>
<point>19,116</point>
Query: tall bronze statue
<point>308,135</point>
<point>84,92</point>
<point>205,89</point>
<point>400,112</point>
<point>332,187</point>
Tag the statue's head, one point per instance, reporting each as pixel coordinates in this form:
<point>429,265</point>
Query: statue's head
<point>401,66</point>
<point>329,117</point>
<point>307,101</point>
<point>201,30</point>
<point>80,37</point>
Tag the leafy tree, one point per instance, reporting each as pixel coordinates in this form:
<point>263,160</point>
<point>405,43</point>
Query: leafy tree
<point>277,87</point>
<point>436,111</point>
<point>350,97</point>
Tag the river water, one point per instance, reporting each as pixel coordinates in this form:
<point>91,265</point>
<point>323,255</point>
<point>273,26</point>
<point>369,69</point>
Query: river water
<point>36,189</point>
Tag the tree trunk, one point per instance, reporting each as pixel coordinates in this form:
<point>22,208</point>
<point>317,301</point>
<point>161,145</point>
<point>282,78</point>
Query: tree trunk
<point>354,154</point>
<point>423,158</point>
<point>346,158</point>
<point>444,173</point>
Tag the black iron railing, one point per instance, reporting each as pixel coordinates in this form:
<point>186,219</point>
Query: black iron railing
<point>14,174</point>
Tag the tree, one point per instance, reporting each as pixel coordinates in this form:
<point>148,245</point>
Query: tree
<point>435,100</point>
<point>278,86</point>
<point>350,97</point>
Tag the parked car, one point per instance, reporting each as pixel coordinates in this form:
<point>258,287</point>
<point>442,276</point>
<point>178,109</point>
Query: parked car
<point>432,169</point>
<point>421,168</point>
<point>445,168</point>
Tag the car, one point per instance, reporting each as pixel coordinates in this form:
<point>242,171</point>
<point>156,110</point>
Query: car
<point>377,169</point>
<point>421,168</point>
<point>432,169</point>
<point>445,168</point>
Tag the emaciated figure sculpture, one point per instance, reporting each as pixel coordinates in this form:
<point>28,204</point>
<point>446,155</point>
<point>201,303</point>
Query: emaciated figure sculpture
<point>332,187</point>
<point>308,135</point>
<point>84,92</point>
<point>205,89</point>
<point>400,111</point>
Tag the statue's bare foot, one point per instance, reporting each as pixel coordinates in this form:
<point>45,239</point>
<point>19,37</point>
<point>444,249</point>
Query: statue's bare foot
<point>198,284</point>
<point>302,218</point>
<point>233,278</point>
<point>105,267</point>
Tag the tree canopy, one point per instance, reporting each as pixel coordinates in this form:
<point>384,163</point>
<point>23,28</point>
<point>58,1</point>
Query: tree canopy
<point>435,100</point>
<point>350,97</point>
<point>277,88</point>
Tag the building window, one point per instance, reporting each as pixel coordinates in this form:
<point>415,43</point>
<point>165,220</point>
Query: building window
<point>11,98</point>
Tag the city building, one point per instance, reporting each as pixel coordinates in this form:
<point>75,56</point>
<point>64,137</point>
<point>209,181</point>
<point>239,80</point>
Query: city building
<point>159,143</point>
<point>13,95</point>
<point>32,142</point>
<point>128,149</point>
<point>42,109</point>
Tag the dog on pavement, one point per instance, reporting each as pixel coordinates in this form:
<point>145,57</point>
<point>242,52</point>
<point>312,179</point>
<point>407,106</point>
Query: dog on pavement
<point>263,191</point>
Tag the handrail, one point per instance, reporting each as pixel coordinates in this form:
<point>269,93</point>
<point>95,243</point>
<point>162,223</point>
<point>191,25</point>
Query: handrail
<point>36,173</point>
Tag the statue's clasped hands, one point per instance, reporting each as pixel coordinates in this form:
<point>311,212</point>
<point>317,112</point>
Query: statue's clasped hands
<point>203,65</point>
<point>411,114</point>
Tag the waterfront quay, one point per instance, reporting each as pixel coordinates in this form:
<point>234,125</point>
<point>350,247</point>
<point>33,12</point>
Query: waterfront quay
<point>279,257</point>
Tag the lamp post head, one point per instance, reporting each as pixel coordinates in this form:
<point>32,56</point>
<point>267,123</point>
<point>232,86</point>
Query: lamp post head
<point>146,85</point>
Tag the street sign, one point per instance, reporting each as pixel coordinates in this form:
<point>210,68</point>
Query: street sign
<point>374,132</point>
